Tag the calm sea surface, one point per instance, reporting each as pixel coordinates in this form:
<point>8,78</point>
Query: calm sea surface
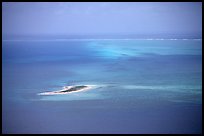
<point>145,86</point>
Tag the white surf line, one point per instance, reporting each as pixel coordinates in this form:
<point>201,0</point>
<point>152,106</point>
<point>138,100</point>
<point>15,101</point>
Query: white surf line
<point>163,87</point>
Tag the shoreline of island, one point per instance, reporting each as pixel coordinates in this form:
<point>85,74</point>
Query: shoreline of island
<point>69,89</point>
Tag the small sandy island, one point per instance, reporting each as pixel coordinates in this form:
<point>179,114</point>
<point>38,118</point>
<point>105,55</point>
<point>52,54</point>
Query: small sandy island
<point>70,89</point>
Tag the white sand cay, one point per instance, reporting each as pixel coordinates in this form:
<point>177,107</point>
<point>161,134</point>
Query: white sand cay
<point>70,89</point>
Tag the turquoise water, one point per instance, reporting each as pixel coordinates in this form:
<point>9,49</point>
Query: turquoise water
<point>144,86</point>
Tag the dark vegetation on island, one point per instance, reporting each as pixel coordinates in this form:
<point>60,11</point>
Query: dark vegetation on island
<point>75,88</point>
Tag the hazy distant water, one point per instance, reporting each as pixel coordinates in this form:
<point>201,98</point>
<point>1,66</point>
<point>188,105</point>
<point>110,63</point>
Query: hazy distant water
<point>146,86</point>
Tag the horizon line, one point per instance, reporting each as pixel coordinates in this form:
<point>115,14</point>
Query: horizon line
<point>90,39</point>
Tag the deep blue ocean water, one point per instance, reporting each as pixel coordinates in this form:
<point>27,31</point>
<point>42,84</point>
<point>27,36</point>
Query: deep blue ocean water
<point>146,86</point>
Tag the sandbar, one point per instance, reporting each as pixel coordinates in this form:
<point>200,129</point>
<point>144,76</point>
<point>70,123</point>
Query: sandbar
<point>69,89</point>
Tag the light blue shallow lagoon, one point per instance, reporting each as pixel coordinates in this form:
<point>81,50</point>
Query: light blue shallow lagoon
<point>144,86</point>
